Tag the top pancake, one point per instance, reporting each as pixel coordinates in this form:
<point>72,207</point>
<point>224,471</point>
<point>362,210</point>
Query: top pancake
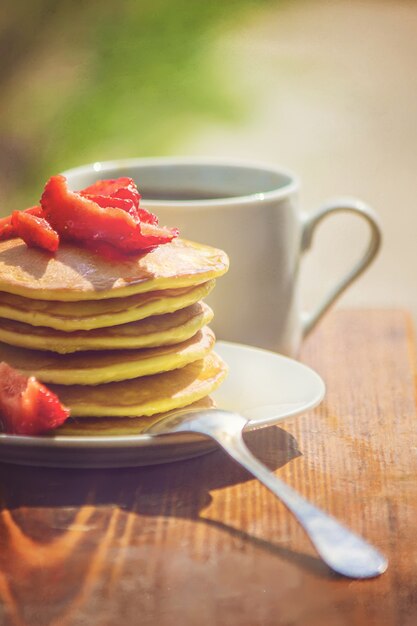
<point>74,273</point>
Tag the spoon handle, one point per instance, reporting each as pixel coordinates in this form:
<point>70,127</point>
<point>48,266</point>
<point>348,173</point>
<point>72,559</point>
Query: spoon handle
<point>343,551</point>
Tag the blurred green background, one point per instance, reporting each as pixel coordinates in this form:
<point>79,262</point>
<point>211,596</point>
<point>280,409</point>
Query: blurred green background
<point>82,81</point>
<point>327,88</point>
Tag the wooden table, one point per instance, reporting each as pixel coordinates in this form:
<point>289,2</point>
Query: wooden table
<point>200,542</point>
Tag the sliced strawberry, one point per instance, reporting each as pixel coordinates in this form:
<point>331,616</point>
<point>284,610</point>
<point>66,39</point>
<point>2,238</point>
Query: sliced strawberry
<point>123,187</point>
<point>107,186</point>
<point>147,217</point>
<point>78,217</point>
<point>115,203</point>
<point>35,231</point>
<point>7,230</point>
<point>110,202</point>
<point>138,214</point>
<point>129,192</point>
<point>155,235</point>
<point>26,406</point>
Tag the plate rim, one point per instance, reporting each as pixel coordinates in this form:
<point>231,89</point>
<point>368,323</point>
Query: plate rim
<point>143,440</point>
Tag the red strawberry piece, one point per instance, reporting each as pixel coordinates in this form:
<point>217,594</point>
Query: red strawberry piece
<point>35,231</point>
<point>123,187</point>
<point>77,217</point>
<point>147,217</point>
<point>6,228</point>
<point>115,203</point>
<point>27,407</point>
<point>156,235</point>
<point>130,192</point>
<point>138,214</point>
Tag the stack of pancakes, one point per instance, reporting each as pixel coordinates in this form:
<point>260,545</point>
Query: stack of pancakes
<point>114,339</point>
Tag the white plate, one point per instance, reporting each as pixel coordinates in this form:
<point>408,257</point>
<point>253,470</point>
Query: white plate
<point>263,386</point>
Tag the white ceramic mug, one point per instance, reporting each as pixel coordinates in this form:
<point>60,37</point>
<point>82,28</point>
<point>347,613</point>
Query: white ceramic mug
<point>251,211</point>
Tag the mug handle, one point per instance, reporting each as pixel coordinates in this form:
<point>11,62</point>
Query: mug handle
<point>341,205</point>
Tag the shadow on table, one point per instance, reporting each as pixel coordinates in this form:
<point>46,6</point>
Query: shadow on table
<point>180,490</point>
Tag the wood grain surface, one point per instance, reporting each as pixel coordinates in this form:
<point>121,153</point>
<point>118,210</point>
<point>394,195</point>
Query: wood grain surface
<point>200,542</point>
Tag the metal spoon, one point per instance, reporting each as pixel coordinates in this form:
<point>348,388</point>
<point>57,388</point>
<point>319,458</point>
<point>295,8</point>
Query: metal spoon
<point>343,551</point>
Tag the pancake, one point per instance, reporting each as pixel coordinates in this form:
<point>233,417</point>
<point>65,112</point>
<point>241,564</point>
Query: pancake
<point>96,368</point>
<point>158,330</point>
<point>145,396</point>
<point>119,426</point>
<point>73,273</point>
<point>88,315</point>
